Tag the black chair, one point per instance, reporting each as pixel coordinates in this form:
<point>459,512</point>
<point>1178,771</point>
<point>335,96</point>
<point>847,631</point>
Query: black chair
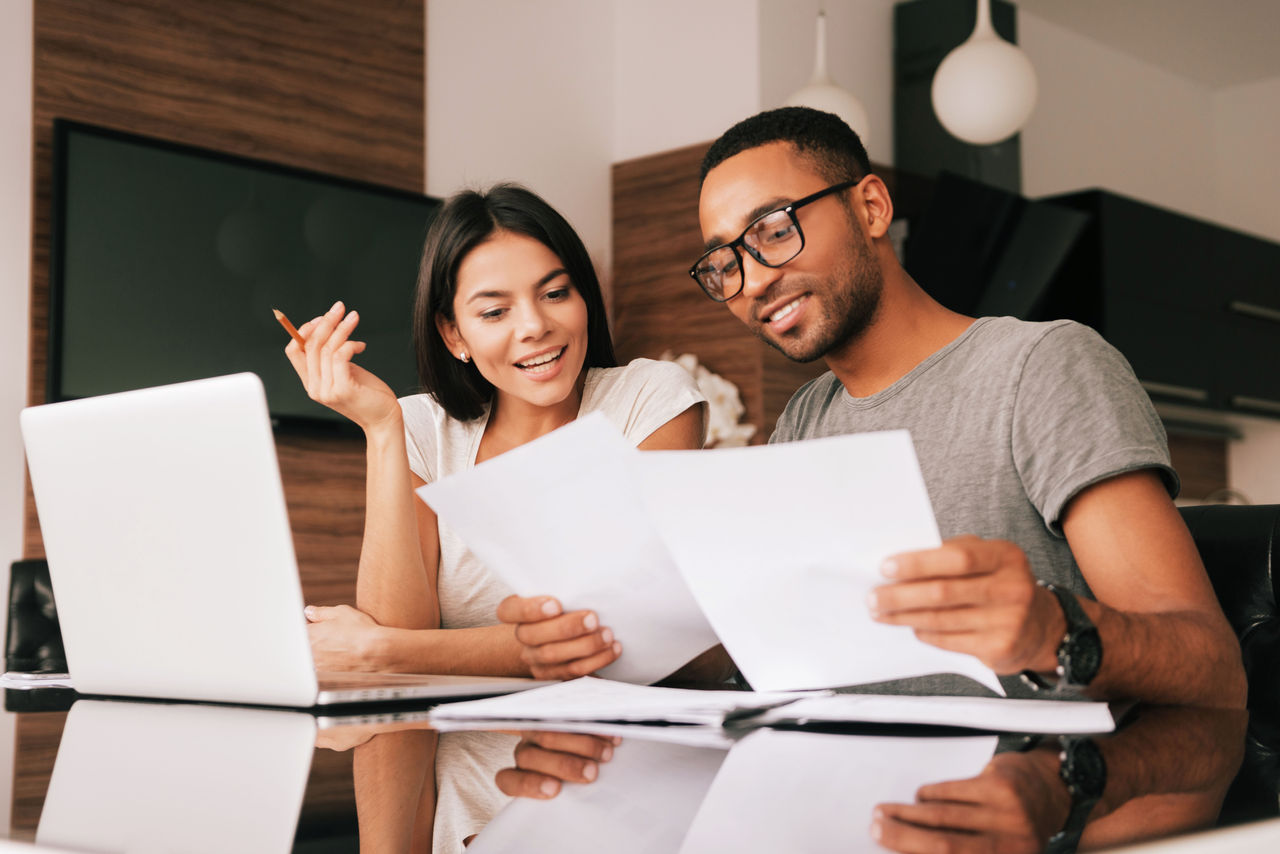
<point>33,640</point>
<point>1238,545</point>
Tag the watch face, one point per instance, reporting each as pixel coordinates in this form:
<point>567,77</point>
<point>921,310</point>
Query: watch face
<point>1083,769</point>
<point>1082,657</point>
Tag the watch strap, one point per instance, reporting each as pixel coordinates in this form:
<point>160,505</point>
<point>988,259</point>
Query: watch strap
<point>1083,770</point>
<point>1080,631</point>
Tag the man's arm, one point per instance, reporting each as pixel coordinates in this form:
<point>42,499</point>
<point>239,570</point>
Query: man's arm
<point>1164,638</point>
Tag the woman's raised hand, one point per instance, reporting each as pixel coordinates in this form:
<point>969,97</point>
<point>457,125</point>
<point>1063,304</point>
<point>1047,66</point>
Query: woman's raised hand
<point>331,378</point>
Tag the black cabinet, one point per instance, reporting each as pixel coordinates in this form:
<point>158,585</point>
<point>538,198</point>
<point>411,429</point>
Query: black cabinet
<point>1193,306</point>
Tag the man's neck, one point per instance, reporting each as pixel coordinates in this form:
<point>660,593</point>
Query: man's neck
<point>909,326</point>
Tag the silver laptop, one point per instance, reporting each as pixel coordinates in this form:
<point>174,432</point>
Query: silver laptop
<point>171,556</point>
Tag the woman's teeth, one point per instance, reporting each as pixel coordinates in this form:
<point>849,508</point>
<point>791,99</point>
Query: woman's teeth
<point>540,361</point>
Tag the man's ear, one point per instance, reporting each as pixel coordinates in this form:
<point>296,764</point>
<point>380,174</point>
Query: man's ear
<point>877,206</point>
<point>449,332</point>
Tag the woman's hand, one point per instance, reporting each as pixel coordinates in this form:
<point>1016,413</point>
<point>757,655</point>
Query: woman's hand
<point>331,378</point>
<point>556,645</point>
<point>546,759</point>
<point>343,638</point>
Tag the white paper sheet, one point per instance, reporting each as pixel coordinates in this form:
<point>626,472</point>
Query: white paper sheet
<point>781,544</point>
<point>562,516</point>
<point>590,699</point>
<point>643,801</point>
<point>998,714</point>
<point>802,792</point>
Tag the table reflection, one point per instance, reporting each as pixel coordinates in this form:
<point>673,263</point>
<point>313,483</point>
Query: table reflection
<point>133,776</point>
<point>1168,772</point>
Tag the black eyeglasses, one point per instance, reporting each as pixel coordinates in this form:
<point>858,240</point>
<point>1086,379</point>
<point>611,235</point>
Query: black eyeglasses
<point>773,239</point>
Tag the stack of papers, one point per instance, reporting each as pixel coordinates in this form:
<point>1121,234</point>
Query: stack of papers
<point>994,714</point>
<point>590,699</point>
<point>602,700</point>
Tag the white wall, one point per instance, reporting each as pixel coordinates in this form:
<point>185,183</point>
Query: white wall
<point>16,55</point>
<point>684,71</point>
<point>524,91</point>
<point>1246,148</point>
<point>1104,119</point>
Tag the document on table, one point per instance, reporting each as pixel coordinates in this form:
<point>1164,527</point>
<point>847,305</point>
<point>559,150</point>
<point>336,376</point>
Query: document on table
<point>997,714</point>
<point>781,545</point>
<point>644,800</point>
<point>789,791</point>
<point>562,516</point>
<point>590,699</point>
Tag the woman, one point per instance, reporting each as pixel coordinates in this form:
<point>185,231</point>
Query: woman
<point>512,342</point>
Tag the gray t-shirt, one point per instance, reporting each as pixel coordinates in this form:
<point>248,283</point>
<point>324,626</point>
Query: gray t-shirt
<point>1010,421</point>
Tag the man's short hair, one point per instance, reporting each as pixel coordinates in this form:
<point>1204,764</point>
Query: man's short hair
<point>831,145</point>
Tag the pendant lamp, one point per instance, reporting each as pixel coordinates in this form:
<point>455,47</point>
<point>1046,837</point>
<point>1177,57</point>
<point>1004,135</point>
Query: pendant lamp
<point>821,92</point>
<point>984,90</point>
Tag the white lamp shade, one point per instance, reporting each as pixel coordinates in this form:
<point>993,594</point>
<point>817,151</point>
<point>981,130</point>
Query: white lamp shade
<point>832,99</point>
<point>821,92</point>
<point>984,90</point>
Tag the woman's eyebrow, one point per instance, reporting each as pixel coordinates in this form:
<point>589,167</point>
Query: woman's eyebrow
<point>497,294</point>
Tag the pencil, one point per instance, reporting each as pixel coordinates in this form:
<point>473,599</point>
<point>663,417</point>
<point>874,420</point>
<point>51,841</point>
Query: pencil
<point>289,327</point>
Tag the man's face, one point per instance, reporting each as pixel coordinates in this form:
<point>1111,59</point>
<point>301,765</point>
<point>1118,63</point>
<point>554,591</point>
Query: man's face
<point>825,296</point>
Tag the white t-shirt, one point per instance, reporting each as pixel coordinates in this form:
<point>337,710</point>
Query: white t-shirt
<point>639,398</point>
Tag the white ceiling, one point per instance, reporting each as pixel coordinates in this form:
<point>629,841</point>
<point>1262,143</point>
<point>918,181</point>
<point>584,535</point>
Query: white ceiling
<point>1215,43</point>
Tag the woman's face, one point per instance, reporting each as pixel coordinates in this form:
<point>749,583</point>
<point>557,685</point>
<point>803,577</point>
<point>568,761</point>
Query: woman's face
<point>519,318</point>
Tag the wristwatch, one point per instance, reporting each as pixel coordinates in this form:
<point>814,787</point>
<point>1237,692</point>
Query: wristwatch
<point>1084,772</point>
<point>1079,653</point>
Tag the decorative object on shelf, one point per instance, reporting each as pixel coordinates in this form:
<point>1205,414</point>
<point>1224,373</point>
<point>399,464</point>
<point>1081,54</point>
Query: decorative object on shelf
<point>985,89</point>
<point>822,93</point>
<point>723,402</point>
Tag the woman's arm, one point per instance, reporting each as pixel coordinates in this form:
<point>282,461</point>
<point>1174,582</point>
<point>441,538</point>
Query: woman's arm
<point>396,581</point>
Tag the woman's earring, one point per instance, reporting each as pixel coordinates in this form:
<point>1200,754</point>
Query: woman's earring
<point>464,357</point>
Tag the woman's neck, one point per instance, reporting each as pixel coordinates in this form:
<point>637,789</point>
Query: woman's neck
<point>514,421</point>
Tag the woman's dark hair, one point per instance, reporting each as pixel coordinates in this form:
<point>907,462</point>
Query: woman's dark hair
<point>467,220</point>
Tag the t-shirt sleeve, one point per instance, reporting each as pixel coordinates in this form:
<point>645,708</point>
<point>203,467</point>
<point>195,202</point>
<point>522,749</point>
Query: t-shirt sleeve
<point>1080,416</point>
<point>642,396</point>
<point>421,417</point>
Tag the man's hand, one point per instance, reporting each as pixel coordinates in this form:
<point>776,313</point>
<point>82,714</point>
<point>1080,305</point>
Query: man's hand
<point>1014,805</point>
<point>546,759</point>
<point>343,638</point>
<point>556,645</point>
<point>974,596</point>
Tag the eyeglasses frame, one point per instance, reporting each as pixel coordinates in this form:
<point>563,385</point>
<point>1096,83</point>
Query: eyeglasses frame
<point>740,240</point>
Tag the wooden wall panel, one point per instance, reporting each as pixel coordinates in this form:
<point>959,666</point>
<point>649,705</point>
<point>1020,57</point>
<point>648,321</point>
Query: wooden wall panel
<point>327,85</point>
<point>319,84</point>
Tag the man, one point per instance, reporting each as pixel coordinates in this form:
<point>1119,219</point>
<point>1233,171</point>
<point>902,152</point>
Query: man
<point>1041,453</point>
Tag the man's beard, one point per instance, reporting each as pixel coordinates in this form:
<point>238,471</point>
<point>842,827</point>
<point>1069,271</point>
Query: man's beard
<point>850,300</point>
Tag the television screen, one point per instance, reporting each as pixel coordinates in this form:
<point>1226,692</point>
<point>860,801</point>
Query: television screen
<point>166,261</point>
